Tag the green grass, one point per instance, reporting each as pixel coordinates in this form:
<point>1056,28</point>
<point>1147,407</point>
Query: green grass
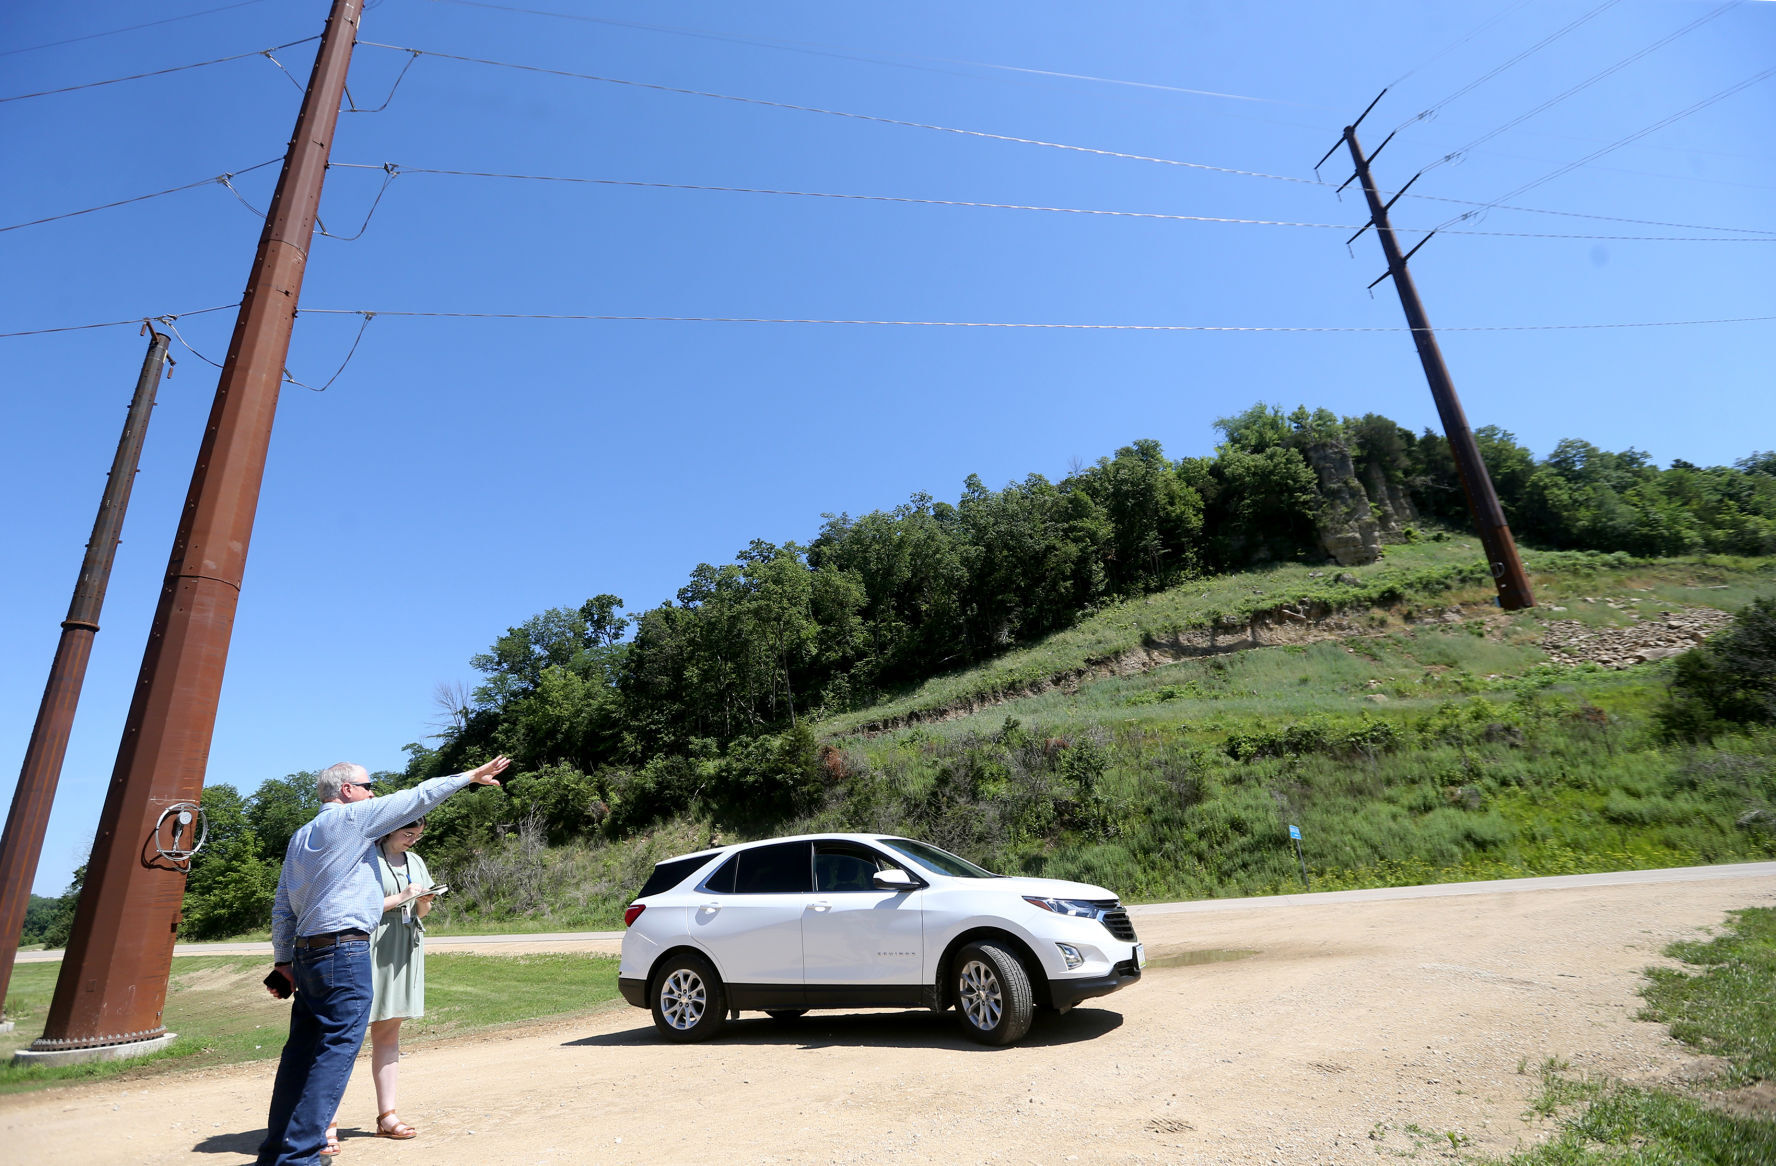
<point>1722,1009</point>
<point>1481,760</point>
<point>1725,1008</point>
<point>223,1015</point>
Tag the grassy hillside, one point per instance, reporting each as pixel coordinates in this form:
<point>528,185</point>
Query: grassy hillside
<point>1336,600</point>
<point>1425,738</point>
<point>1411,729</point>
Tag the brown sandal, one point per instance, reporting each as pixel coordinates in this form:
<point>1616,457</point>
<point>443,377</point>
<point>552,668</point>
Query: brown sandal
<point>401,1131</point>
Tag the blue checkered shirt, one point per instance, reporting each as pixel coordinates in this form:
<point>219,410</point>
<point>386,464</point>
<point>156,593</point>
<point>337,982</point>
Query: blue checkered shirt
<point>330,881</point>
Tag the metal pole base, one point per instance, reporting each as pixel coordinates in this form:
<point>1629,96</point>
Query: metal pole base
<point>140,1048</point>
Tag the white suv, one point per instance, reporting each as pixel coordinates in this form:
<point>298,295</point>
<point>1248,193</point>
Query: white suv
<point>865,921</point>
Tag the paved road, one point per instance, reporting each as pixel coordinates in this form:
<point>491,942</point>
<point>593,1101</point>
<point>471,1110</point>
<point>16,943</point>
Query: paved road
<point>610,940</point>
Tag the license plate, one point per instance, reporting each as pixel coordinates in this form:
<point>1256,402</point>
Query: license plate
<point>1140,955</point>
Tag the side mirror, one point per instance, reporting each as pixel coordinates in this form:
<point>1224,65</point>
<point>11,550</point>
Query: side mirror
<point>894,879</point>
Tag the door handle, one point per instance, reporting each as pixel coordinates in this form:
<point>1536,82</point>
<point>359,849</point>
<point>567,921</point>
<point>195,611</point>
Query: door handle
<point>820,906</point>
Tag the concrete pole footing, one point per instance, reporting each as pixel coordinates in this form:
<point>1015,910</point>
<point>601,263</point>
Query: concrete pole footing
<point>139,1048</point>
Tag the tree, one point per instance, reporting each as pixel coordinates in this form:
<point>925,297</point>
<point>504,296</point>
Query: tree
<point>279,808</point>
<point>231,884</point>
<point>560,636</point>
<point>780,610</point>
<point>50,921</point>
<point>1730,678</point>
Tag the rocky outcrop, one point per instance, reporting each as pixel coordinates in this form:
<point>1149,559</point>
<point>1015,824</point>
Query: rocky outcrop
<point>1346,523</point>
<point>1392,508</point>
<point>1652,635</point>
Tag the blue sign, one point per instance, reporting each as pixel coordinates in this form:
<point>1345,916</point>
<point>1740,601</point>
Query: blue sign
<point>1295,833</point>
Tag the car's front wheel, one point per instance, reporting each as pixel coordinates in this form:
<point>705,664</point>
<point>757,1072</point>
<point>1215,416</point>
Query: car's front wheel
<point>689,1001</point>
<point>992,993</point>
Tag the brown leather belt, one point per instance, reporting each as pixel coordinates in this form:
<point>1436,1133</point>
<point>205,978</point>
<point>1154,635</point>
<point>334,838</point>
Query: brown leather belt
<point>330,938</point>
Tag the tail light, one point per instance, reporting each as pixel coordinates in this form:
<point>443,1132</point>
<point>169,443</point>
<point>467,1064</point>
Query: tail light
<point>633,912</point>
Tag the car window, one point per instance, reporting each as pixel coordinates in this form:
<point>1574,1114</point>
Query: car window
<point>845,866</point>
<point>940,861</point>
<point>779,869</point>
<point>669,874</point>
<point>722,881</point>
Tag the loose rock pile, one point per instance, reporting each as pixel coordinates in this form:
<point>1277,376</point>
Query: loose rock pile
<point>1655,634</point>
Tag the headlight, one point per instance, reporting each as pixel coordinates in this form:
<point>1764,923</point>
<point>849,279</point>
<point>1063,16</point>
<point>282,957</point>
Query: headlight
<point>1080,908</point>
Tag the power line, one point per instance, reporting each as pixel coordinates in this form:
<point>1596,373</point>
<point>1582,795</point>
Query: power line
<point>1501,206</point>
<point>131,28</point>
<point>219,178</point>
<point>392,170</point>
<point>1587,83</point>
<point>836,113</point>
<point>1018,325</point>
<point>158,72</point>
<point>1450,48</point>
<point>1030,326</point>
<point>1490,74</point>
<point>1635,136</point>
<point>1010,206</point>
<point>1003,137</point>
<point>132,321</point>
<point>905,61</point>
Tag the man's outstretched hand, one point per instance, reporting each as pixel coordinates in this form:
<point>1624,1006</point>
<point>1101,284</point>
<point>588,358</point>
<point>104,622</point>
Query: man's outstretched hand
<point>489,774</point>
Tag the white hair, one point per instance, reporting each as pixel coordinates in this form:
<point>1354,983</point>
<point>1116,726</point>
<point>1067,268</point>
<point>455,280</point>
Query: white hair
<point>328,781</point>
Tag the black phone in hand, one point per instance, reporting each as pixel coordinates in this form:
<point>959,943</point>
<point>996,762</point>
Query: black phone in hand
<point>279,984</point>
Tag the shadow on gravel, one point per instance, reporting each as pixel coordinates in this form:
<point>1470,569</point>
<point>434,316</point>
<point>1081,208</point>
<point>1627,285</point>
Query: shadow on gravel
<point>920,1029</point>
<point>242,1143</point>
<point>248,1141</point>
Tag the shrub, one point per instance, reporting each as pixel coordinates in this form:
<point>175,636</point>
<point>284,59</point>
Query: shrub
<point>1729,679</point>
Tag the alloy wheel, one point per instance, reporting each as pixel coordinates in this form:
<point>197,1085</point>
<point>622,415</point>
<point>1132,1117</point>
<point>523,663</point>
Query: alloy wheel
<point>683,998</point>
<point>980,996</point>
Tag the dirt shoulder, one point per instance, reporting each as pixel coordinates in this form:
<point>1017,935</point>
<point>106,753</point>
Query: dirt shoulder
<point>1355,1026</point>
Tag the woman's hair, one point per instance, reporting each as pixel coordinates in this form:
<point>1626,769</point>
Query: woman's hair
<point>417,822</point>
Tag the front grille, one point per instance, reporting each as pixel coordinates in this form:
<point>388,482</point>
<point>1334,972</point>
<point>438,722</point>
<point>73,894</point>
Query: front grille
<point>1117,922</point>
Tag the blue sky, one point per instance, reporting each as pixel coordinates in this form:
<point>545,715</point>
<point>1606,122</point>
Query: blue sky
<point>463,474</point>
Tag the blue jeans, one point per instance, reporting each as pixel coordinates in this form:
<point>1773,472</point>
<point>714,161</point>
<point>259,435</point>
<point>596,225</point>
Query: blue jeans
<point>327,1021</point>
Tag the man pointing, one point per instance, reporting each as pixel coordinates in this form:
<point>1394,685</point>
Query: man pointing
<point>329,899</point>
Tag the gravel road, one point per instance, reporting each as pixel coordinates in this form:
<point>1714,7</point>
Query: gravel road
<point>1306,1029</point>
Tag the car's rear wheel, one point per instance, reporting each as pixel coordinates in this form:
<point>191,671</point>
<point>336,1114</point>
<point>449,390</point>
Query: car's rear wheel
<point>992,993</point>
<point>689,1001</point>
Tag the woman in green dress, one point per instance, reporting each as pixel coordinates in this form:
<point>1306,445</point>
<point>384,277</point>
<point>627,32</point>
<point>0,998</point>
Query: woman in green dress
<point>397,953</point>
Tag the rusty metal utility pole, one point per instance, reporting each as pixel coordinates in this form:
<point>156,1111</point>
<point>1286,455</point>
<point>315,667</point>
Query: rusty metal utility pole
<point>114,976</point>
<point>22,844</point>
<point>1483,503</point>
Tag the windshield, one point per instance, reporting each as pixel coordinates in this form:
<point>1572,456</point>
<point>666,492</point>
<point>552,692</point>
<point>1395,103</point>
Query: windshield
<point>938,861</point>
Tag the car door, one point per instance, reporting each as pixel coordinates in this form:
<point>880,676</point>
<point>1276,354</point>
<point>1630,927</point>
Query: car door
<point>854,934</point>
<point>748,914</point>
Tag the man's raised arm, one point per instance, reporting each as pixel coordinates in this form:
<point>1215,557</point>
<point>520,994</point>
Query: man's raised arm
<point>378,816</point>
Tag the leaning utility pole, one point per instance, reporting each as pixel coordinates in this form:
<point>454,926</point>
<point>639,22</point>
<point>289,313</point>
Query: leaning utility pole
<point>22,844</point>
<point>1483,503</point>
<point>114,975</point>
